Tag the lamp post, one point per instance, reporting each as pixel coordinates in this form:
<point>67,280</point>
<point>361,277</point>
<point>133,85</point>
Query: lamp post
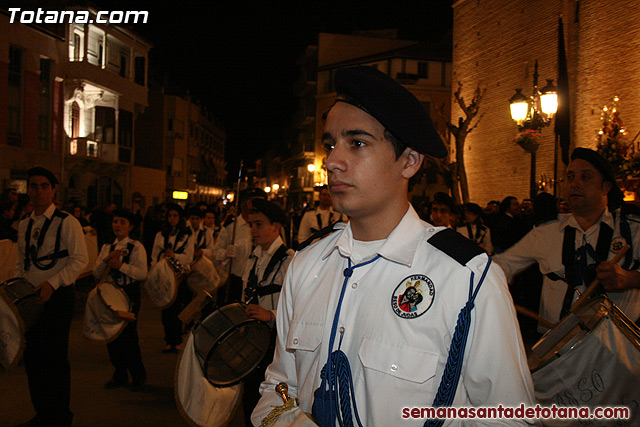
<point>534,112</point>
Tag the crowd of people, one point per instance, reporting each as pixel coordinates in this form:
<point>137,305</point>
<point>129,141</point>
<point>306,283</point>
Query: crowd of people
<point>364,316</point>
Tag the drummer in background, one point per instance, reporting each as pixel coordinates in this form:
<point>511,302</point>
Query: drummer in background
<point>126,261</point>
<point>174,241</point>
<point>236,249</point>
<point>202,236</point>
<point>52,270</point>
<point>209,220</point>
<point>573,250</point>
<point>262,280</point>
<point>320,217</point>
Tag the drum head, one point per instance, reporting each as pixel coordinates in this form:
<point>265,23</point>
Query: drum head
<point>100,321</point>
<point>11,333</point>
<point>230,344</point>
<point>20,295</point>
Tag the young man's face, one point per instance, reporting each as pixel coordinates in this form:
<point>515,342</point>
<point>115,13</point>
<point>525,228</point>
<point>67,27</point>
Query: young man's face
<point>364,175</point>
<point>584,188</point>
<point>440,215</point>
<point>121,227</point>
<point>263,231</point>
<point>40,192</point>
<point>209,220</point>
<point>195,221</point>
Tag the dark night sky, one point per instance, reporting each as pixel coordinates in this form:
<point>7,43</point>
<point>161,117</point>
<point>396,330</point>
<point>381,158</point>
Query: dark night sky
<point>238,57</point>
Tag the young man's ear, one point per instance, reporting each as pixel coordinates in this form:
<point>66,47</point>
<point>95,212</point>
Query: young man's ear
<point>412,162</point>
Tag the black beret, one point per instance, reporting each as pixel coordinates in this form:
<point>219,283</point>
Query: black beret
<point>606,170</point>
<point>397,109</point>
<point>444,199</point>
<point>40,171</point>
<point>251,193</point>
<point>126,214</point>
<point>270,210</point>
<point>474,208</point>
<point>196,211</point>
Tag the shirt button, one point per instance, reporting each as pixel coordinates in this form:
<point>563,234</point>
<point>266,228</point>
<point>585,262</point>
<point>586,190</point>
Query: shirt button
<point>341,330</point>
<point>394,368</point>
<point>431,230</point>
<point>354,285</point>
<point>295,341</point>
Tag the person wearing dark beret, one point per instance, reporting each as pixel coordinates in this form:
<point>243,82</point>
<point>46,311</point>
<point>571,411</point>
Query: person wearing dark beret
<point>51,255</point>
<point>233,246</point>
<point>349,346</point>
<point>595,231</point>
<point>123,263</point>
<point>262,281</point>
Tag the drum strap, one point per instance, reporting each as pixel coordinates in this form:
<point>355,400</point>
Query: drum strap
<point>119,278</point>
<point>577,272</point>
<point>252,285</point>
<point>31,251</point>
<point>479,229</point>
<point>201,240</point>
<point>168,245</point>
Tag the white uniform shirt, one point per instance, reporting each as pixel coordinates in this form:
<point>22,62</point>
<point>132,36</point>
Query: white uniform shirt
<point>67,269</point>
<point>203,239</point>
<point>544,245</point>
<point>184,258</point>
<point>310,220</point>
<point>396,362</point>
<point>243,244</point>
<point>261,260</point>
<point>483,239</point>
<point>134,270</point>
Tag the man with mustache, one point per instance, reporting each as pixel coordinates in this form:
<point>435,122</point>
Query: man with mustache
<point>574,249</point>
<point>345,347</point>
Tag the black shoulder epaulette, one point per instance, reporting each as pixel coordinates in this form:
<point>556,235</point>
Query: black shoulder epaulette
<point>320,234</point>
<point>455,245</point>
<point>60,214</point>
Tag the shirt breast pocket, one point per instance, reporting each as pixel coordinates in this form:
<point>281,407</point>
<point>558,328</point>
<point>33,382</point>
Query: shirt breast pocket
<point>392,367</point>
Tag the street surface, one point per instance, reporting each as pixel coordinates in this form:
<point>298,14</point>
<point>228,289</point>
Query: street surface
<point>91,403</point>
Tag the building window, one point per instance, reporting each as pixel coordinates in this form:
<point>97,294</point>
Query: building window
<point>44,104</point>
<point>125,136</point>
<point>14,129</point>
<point>423,70</point>
<point>123,66</point>
<point>76,46</point>
<point>75,121</point>
<point>92,149</point>
<point>139,70</point>
<point>105,119</point>
<point>101,53</point>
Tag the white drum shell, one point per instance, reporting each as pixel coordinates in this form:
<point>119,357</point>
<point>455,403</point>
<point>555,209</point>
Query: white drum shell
<point>601,369</point>
<point>161,284</point>
<point>198,401</point>
<point>11,336</point>
<point>203,276</point>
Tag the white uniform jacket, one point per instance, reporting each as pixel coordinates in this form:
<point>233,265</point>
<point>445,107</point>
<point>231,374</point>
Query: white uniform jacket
<point>203,239</point>
<point>242,241</point>
<point>185,257</point>
<point>544,245</point>
<point>261,259</point>
<point>397,360</point>
<point>134,270</point>
<point>68,268</point>
<point>310,220</point>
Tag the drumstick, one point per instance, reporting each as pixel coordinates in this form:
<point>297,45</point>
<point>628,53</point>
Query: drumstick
<point>526,312</point>
<point>592,287</point>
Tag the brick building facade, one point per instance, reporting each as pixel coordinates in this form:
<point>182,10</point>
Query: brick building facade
<point>495,45</point>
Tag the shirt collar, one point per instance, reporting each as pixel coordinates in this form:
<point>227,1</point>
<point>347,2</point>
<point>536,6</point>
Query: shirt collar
<point>570,220</point>
<point>122,242</point>
<point>258,252</point>
<point>48,213</point>
<point>400,246</point>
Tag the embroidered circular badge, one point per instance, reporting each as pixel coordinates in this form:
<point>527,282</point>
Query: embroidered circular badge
<point>413,296</point>
<point>617,244</point>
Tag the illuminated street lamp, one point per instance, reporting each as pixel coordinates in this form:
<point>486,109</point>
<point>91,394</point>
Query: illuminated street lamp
<point>311,167</point>
<point>267,189</point>
<point>276,187</point>
<point>534,113</point>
